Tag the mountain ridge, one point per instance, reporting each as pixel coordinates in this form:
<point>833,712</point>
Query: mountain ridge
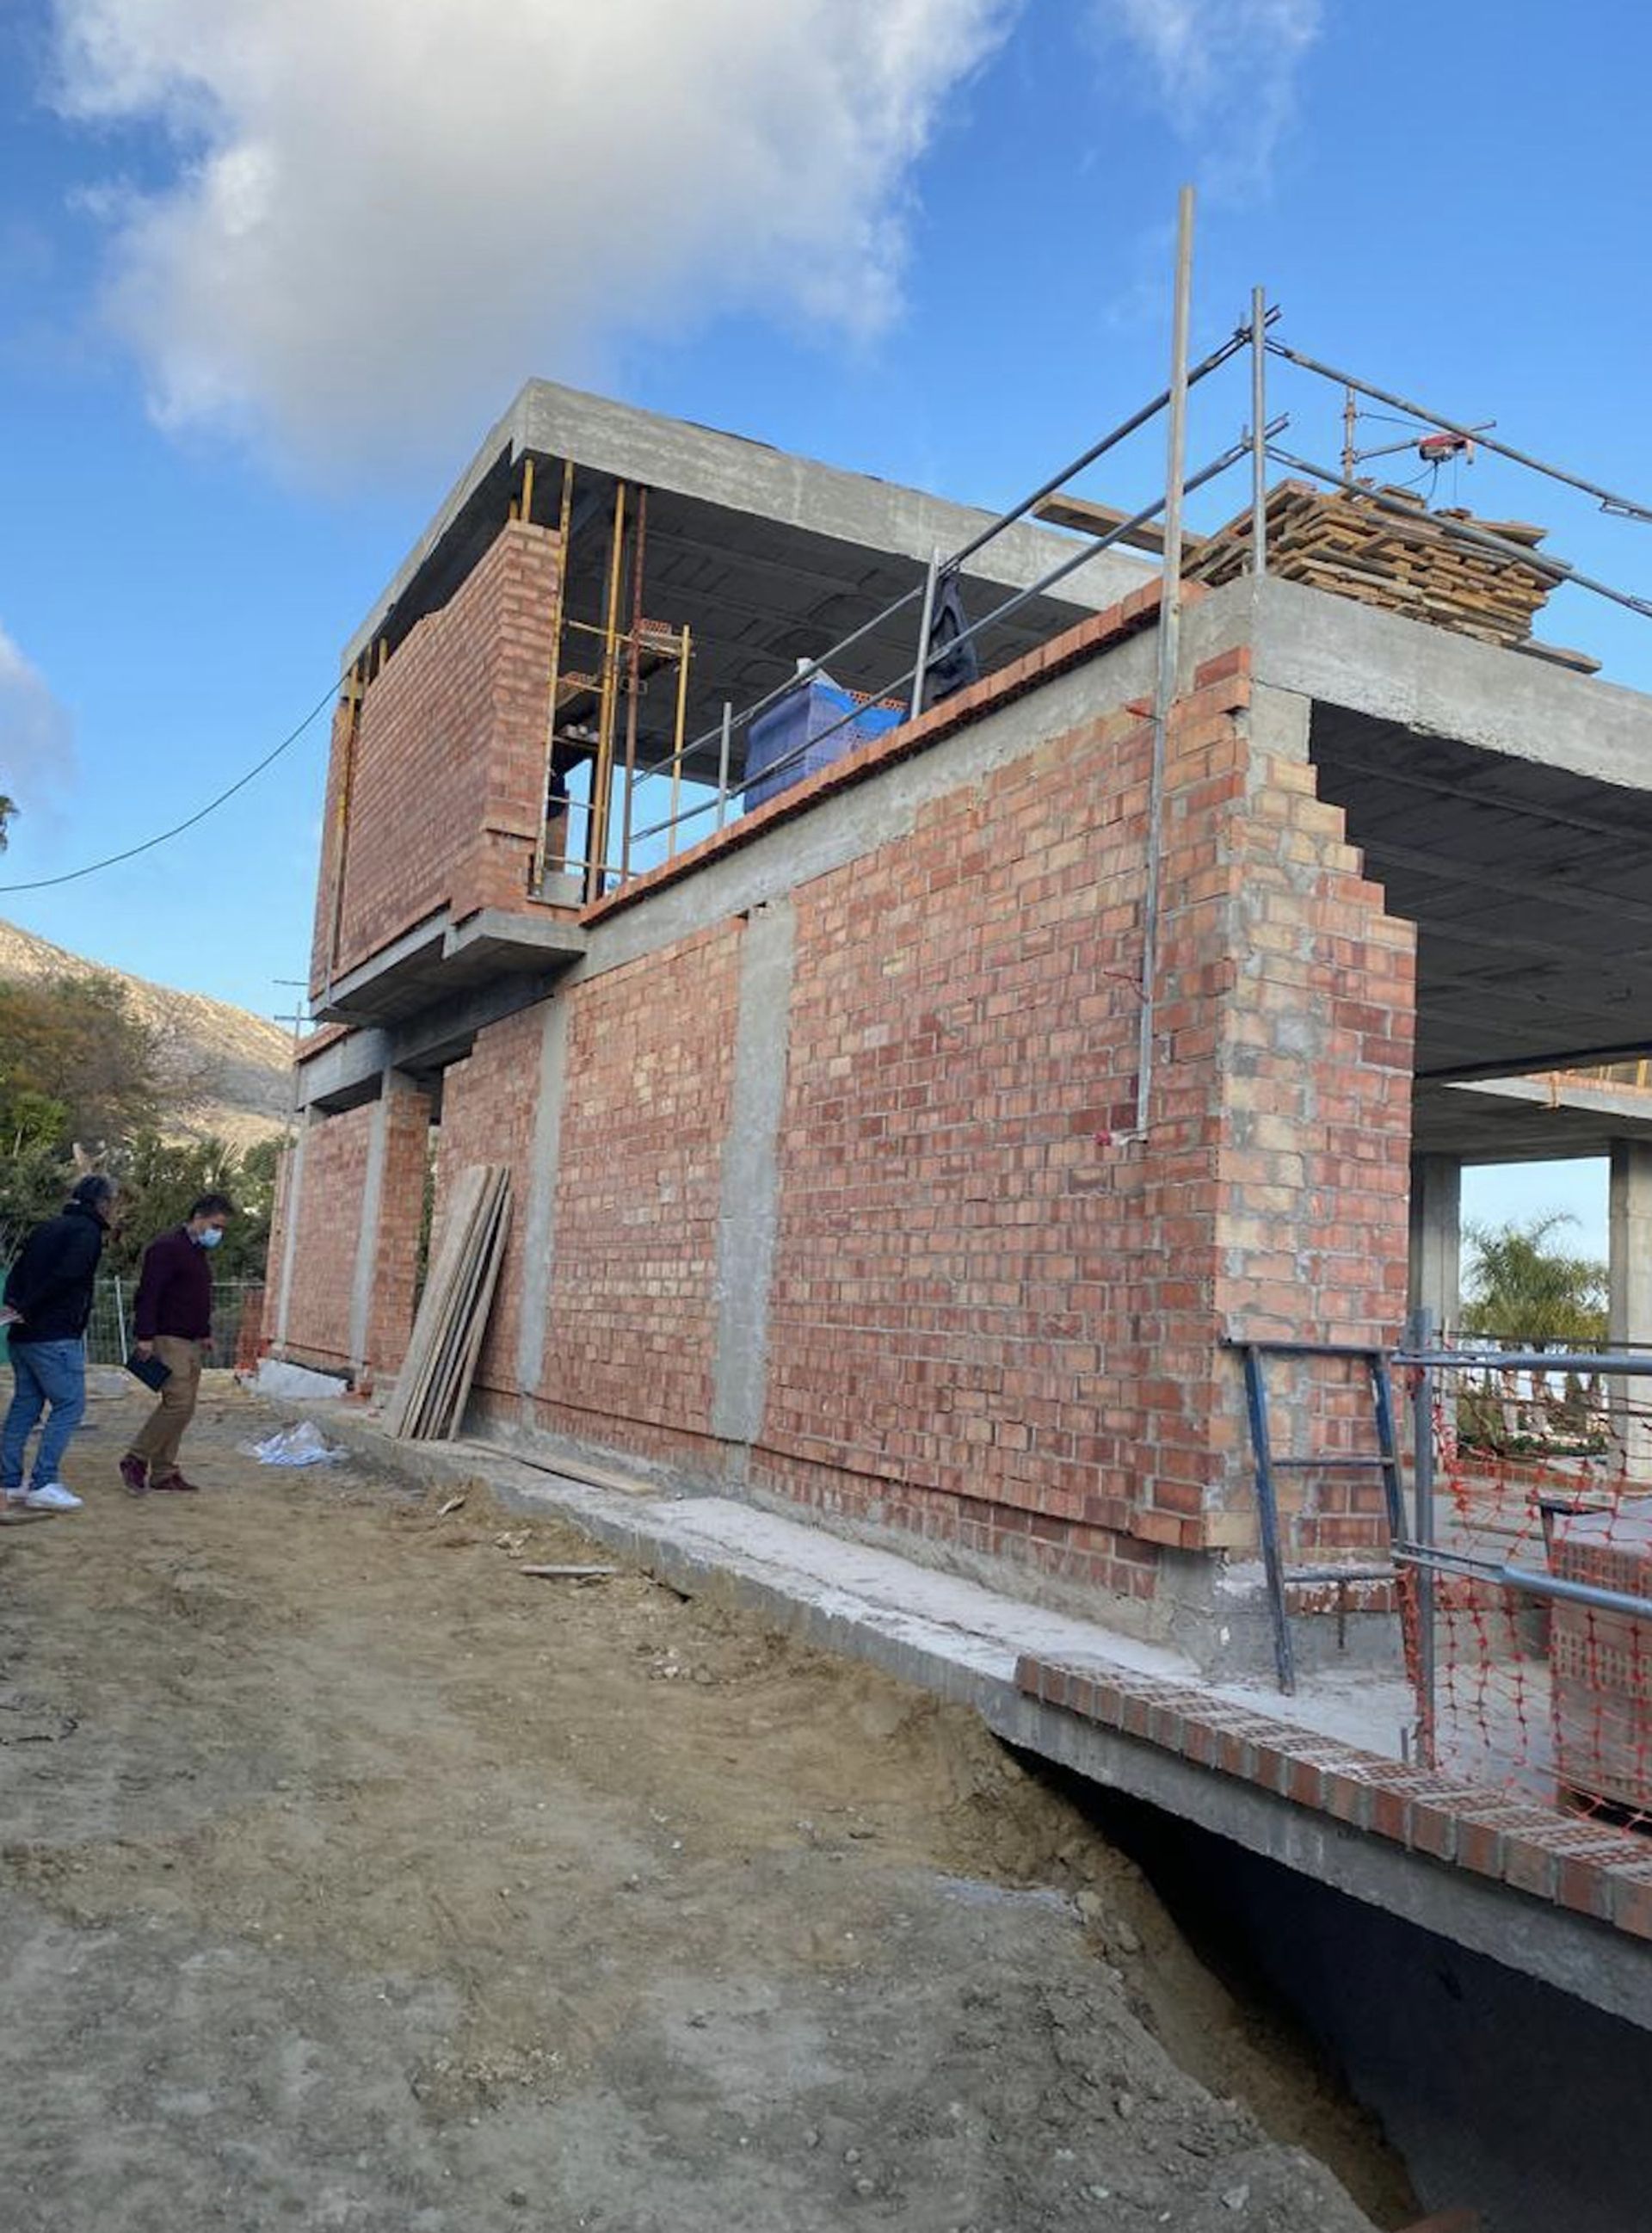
<point>224,1071</point>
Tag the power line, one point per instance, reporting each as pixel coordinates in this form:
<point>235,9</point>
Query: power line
<point>72,875</point>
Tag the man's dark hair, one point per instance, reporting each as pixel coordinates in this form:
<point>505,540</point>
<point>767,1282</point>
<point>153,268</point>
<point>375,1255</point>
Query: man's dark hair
<point>96,1189</point>
<point>212,1205</point>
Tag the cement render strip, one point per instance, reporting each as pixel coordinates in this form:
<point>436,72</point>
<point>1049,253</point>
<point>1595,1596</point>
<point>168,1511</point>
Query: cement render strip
<point>962,1642</point>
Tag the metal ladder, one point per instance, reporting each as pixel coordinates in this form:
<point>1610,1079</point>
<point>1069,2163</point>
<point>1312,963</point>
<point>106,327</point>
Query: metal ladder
<point>1385,1459</point>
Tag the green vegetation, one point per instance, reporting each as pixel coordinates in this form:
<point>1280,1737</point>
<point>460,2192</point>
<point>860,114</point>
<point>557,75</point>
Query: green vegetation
<point>1525,1293</point>
<point>79,1089</point>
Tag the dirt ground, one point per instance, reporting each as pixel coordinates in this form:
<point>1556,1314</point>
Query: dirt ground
<point>351,1878</point>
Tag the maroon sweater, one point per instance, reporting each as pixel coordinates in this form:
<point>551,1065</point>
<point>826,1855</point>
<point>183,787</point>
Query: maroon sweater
<point>175,1290</point>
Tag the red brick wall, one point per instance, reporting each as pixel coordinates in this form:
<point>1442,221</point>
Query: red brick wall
<point>996,1319</point>
<point>633,1322</point>
<point>445,792</point>
<point>330,1223</point>
<point>401,1200</point>
<point>331,1201</point>
<point>488,1107</point>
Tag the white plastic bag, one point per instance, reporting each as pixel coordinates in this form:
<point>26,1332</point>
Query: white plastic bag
<point>300,1445</point>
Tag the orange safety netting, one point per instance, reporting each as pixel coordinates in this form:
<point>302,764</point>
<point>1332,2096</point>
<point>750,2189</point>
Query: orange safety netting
<point>1547,1695</point>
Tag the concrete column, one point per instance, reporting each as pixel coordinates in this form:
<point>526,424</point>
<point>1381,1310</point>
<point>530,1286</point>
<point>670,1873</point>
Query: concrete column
<point>749,1204</point>
<point>1436,1237</point>
<point>539,1216</point>
<point>291,1207</point>
<point>367,1243</point>
<point>1628,1307</point>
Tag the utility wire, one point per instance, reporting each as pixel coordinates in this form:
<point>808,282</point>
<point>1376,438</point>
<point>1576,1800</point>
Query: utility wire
<point>72,875</point>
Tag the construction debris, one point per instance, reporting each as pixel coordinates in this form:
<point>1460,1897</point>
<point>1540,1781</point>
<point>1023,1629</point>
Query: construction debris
<point>571,1573</point>
<point>1388,549</point>
<point>435,1379</point>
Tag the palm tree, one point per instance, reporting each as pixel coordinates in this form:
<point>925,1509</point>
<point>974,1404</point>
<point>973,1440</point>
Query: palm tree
<point>1530,1296</point>
<point>1523,1291</point>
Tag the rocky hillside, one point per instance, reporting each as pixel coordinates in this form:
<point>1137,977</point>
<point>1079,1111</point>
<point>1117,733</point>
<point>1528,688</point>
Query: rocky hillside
<point>226,1071</point>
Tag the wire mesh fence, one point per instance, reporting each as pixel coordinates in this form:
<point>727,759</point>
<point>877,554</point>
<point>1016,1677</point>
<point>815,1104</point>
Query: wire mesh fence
<point>237,1313</point>
<point>1533,1576</point>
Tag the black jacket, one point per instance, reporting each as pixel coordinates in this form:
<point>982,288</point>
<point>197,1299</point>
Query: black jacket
<point>51,1281</point>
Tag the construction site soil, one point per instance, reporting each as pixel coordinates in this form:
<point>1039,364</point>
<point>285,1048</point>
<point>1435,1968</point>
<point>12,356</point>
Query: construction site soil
<point>354,1877</point>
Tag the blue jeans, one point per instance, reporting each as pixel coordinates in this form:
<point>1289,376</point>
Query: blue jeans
<point>44,1372</point>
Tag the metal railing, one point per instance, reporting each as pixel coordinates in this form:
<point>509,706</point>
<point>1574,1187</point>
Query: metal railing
<point>1531,1570</point>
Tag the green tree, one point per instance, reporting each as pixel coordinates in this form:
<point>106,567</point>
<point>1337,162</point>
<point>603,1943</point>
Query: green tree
<point>74,1041</point>
<point>160,1178</point>
<point>1531,1295</point>
<point>1521,1289</point>
<point>9,809</point>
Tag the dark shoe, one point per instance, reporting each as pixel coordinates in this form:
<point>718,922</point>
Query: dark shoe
<point>176,1482</point>
<point>135,1473</point>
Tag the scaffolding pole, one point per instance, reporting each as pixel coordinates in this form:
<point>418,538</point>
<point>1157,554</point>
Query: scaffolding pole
<point>1169,647</point>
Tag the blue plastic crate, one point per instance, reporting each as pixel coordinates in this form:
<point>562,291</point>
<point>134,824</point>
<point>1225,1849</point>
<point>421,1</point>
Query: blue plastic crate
<point>795,725</point>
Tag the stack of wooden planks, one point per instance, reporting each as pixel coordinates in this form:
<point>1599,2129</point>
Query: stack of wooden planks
<point>1404,561</point>
<point>434,1383</point>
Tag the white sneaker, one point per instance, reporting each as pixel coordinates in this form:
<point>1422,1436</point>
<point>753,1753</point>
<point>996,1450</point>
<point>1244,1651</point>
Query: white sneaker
<point>52,1497</point>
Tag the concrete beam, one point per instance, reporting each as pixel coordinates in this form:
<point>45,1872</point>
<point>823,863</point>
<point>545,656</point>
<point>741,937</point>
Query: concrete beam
<point>539,1216</point>
<point>1628,1310</point>
<point>366,1241</point>
<point>1436,1237</point>
<point>1432,679</point>
<point>750,1199</point>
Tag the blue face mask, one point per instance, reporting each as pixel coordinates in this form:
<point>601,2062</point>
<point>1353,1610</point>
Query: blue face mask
<point>211,1238</point>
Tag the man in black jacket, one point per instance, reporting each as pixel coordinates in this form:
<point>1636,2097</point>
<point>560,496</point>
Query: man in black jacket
<point>49,1300</point>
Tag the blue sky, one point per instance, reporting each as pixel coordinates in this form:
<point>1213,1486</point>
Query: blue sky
<point>267,273</point>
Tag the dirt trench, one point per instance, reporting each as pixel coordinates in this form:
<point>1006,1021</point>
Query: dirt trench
<point>349,1877</point>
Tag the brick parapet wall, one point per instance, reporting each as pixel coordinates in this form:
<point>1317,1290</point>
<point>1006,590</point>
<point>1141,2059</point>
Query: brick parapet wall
<point>1596,1872</point>
<point>445,784</point>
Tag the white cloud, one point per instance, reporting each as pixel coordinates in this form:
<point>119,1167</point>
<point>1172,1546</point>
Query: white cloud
<point>1224,71</point>
<point>37,737</point>
<point>382,214</point>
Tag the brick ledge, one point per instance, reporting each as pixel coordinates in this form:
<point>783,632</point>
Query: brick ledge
<point>1573,1864</point>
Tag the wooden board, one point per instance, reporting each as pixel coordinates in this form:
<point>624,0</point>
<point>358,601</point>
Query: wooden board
<point>448,1334</point>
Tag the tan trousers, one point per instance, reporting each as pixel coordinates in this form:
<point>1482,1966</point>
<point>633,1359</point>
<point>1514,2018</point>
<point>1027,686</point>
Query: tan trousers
<point>158,1439</point>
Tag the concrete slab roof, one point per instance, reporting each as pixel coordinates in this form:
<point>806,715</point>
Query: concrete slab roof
<point>1505,807</point>
<point>1524,1120</point>
<point>767,557</point>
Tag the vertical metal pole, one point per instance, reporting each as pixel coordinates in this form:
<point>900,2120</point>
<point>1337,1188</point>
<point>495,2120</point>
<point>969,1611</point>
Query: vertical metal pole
<point>120,1318</point>
<point>678,735</point>
<point>1169,646</point>
<point>722,762</point>
<point>1419,1332</point>
<point>926,621</point>
<point>1258,436</point>
<point>602,773</point>
<point>634,680</point>
<point>558,606</point>
<point>1350,435</point>
<point>1256,1398</point>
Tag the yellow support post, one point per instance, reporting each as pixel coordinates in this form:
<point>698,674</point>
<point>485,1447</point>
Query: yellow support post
<point>677,742</point>
<point>602,773</point>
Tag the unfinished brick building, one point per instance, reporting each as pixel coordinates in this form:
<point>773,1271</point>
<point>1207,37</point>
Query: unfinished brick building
<point>837,1182</point>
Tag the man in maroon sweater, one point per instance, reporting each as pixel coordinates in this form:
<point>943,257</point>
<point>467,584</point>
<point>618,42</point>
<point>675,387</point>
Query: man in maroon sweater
<point>171,1319</point>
